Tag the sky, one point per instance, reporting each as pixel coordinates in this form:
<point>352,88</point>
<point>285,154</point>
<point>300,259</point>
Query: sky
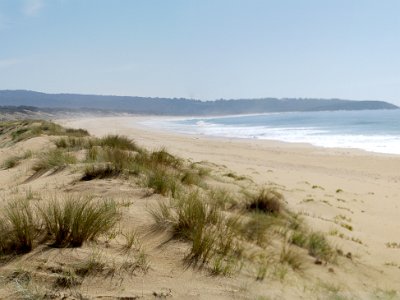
<point>203,49</point>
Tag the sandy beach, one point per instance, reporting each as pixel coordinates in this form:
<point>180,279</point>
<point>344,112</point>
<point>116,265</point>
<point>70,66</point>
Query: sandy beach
<point>329,187</point>
<point>347,197</point>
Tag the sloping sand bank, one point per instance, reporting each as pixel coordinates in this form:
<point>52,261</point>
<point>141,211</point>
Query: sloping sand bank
<point>351,195</point>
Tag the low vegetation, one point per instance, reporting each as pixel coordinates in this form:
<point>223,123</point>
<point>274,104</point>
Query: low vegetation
<point>15,160</point>
<point>74,220</point>
<point>17,131</point>
<point>266,201</point>
<point>19,227</point>
<point>225,231</point>
<point>54,159</point>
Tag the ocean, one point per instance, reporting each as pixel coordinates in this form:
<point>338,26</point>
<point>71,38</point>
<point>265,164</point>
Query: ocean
<point>370,130</point>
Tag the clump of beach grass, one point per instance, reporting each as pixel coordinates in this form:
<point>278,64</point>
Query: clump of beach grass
<point>191,178</point>
<point>162,157</point>
<point>256,228</point>
<point>24,130</point>
<point>163,182</point>
<point>267,201</point>
<point>19,226</point>
<point>91,265</point>
<point>11,162</point>
<point>319,247</point>
<point>15,160</point>
<point>100,172</point>
<point>118,142</point>
<point>222,198</point>
<point>75,219</point>
<point>67,279</point>
<point>291,257</point>
<point>74,143</point>
<point>55,158</point>
<point>192,218</point>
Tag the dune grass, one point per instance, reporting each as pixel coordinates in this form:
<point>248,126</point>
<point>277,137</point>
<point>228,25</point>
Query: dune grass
<point>319,247</point>
<point>291,257</point>
<point>15,160</point>
<point>193,219</point>
<point>19,227</point>
<point>74,220</point>
<point>222,229</point>
<point>256,228</point>
<point>24,130</point>
<point>162,157</point>
<point>100,172</point>
<point>267,201</point>
<point>11,162</point>
<point>55,158</point>
<point>118,142</point>
<point>162,182</point>
<point>73,143</point>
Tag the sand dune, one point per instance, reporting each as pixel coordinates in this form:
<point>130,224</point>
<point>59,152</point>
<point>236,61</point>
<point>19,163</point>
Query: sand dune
<point>330,187</point>
<point>351,196</point>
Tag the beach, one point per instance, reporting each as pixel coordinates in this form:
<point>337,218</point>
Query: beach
<point>351,195</point>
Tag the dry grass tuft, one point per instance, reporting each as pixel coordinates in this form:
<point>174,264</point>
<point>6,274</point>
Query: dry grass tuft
<point>291,257</point>
<point>100,172</point>
<point>54,159</point>
<point>74,220</point>
<point>19,227</point>
<point>267,201</point>
<point>162,157</point>
<point>118,142</point>
<point>163,182</point>
<point>319,247</point>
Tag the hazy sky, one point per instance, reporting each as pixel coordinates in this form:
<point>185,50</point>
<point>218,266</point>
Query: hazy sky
<point>203,49</point>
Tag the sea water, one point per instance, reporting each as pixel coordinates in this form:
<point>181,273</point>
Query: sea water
<point>371,130</point>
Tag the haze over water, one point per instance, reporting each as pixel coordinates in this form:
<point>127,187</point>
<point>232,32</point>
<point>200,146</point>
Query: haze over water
<point>370,130</point>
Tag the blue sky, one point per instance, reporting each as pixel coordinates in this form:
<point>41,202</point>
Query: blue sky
<point>204,49</point>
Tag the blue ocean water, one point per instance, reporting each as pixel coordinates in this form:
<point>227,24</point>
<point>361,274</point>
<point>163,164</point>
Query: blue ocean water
<point>371,130</point>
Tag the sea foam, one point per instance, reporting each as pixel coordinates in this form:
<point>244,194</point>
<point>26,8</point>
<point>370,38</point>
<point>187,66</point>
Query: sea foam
<point>376,131</point>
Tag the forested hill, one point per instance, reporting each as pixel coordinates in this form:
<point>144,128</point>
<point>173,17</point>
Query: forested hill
<point>181,106</point>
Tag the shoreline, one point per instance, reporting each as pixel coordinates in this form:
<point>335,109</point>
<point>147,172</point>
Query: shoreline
<point>137,121</point>
<point>341,142</point>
